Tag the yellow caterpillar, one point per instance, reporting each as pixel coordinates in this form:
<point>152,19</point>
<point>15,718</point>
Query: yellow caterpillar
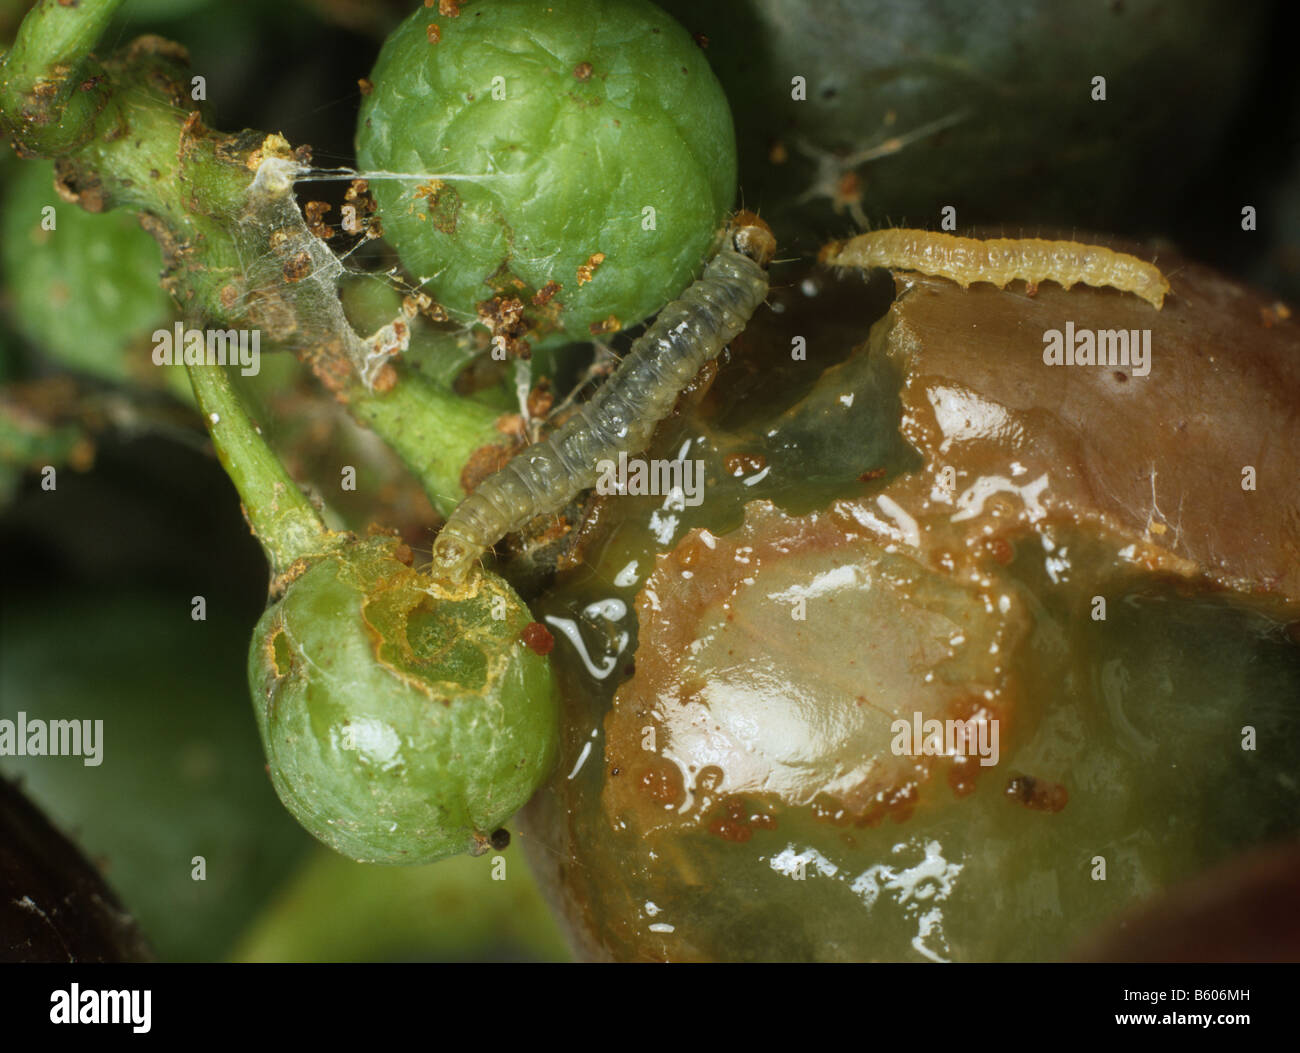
<point>1000,260</point>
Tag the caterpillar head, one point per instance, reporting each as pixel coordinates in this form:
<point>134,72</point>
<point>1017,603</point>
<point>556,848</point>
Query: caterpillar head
<point>452,558</point>
<point>752,237</point>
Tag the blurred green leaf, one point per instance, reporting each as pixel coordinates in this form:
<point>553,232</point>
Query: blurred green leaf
<point>182,773</point>
<point>337,910</point>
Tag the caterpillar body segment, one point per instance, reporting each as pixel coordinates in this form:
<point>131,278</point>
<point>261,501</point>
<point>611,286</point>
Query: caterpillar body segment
<point>622,415</point>
<point>1001,260</point>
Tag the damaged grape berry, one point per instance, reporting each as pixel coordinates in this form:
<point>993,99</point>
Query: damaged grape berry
<point>403,723</point>
<point>569,162</point>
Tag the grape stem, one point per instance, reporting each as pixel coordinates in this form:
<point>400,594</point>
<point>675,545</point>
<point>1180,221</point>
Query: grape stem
<point>278,512</point>
<point>433,431</point>
<point>126,134</point>
<point>49,61</point>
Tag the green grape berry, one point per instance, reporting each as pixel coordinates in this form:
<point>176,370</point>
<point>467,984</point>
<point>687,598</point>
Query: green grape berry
<point>572,161</point>
<point>85,285</point>
<point>403,723</point>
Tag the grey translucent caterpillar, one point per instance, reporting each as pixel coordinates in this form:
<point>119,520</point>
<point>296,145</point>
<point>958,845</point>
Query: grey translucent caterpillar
<point>621,416</point>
